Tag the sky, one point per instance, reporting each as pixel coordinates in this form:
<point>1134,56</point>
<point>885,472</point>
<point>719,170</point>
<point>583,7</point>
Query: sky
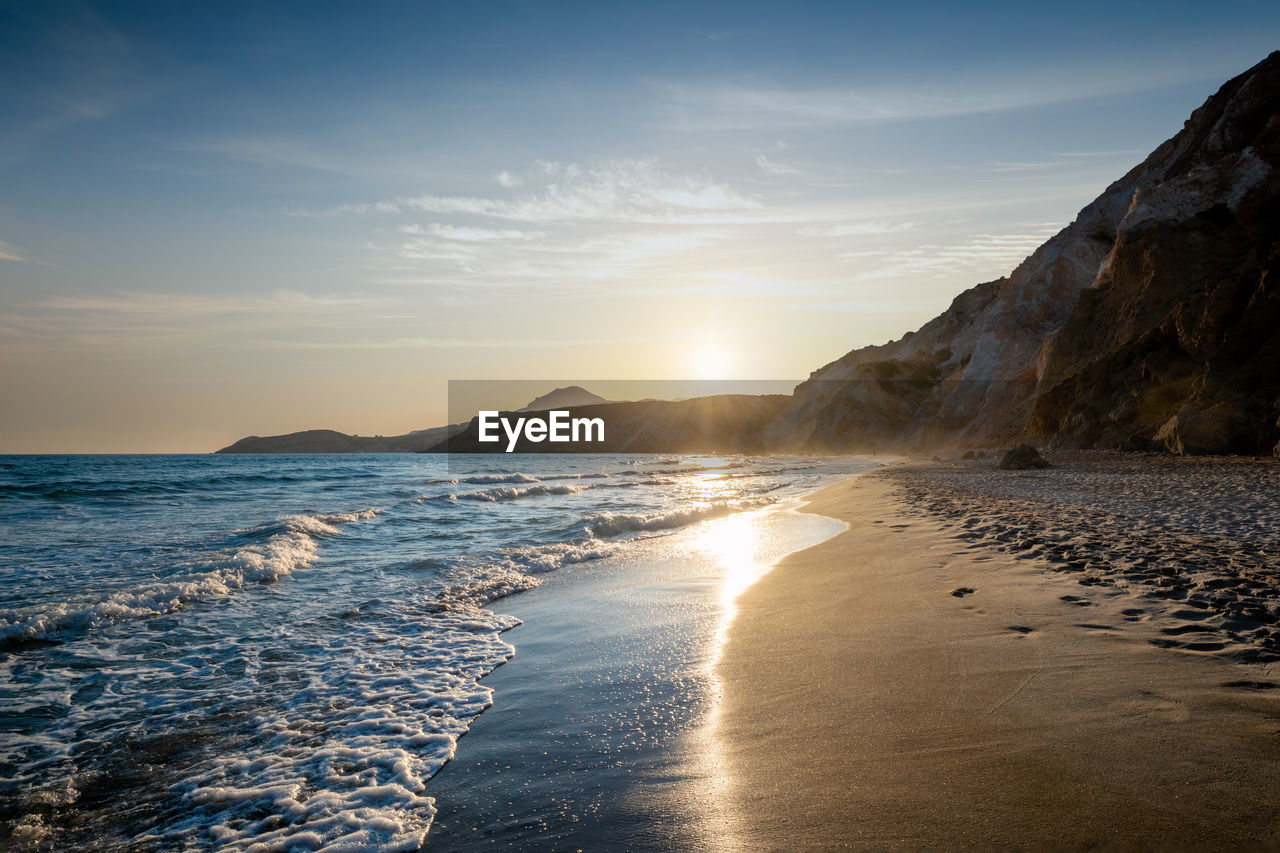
<point>224,219</point>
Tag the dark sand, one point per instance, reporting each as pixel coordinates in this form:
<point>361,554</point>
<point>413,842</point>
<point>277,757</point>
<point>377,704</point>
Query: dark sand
<point>871,702</point>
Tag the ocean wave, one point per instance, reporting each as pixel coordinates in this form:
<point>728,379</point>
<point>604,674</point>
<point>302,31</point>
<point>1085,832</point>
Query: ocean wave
<point>66,490</point>
<point>548,558</point>
<point>343,764</point>
<point>513,493</point>
<point>607,525</point>
<point>285,546</point>
<point>486,479</point>
<point>474,580</point>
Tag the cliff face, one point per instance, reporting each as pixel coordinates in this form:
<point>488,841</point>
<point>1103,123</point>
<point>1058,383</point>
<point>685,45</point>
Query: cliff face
<point>1150,322</point>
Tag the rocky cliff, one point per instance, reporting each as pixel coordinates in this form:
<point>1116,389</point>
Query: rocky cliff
<point>1150,322</point>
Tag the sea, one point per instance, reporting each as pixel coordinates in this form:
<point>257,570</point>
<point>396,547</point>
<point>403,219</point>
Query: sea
<point>280,652</point>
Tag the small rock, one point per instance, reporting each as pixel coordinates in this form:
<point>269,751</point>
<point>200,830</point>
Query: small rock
<point>968,454</point>
<point>1022,457</point>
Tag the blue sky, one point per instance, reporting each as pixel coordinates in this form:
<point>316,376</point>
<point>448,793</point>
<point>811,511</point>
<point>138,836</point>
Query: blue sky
<point>233,218</point>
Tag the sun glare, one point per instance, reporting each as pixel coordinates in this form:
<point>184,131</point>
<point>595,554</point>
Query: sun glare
<point>710,362</point>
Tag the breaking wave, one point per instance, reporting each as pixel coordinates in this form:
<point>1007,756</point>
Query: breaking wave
<point>275,550</point>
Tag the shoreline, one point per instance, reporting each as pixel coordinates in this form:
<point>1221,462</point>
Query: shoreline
<point>595,736</point>
<point>870,700</point>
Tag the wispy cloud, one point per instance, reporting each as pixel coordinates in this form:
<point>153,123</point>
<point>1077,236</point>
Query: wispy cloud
<point>449,342</point>
<point>854,229</point>
<point>1123,152</point>
<point>469,235</point>
<point>756,103</point>
<point>1024,167</point>
<point>9,252</point>
<point>269,152</point>
<point>561,257</point>
<point>614,191</point>
<point>981,256</point>
<point>151,303</point>
<point>81,69</point>
<point>95,318</point>
<point>773,167</point>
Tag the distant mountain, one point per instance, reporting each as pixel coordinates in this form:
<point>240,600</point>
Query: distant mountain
<point>563,398</point>
<point>329,441</point>
<point>418,441</point>
<point>726,423</point>
<point>1151,322</point>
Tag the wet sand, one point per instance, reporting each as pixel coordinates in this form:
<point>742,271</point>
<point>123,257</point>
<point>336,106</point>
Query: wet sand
<point>907,685</point>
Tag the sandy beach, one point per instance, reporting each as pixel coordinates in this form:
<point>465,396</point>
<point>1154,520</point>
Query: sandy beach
<point>1010,660</point>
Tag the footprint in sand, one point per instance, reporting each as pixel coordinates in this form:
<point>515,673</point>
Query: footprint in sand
<point>1188,647</point>
<point>1021,629</point>
<point>1133,614</point>
<point>1204,647</point>
<point>1252,685</point>
<point>1076,600</point>
<point>1184,629</point>
<point>962,591</point>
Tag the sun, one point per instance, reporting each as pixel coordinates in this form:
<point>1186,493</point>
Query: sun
<point>710,361</point>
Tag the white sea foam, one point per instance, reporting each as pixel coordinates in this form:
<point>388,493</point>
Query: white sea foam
<point>607,524</point>
<point>512,493</point>
<point>343,764</point>
<point>289,545</point>
<point>547,558</point>
<point>485,578</point>
<point>485,479</point>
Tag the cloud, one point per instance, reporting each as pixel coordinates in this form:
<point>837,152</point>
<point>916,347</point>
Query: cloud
<point>359,209</point>
<point>506,179</point>
<point>1024,167</point>
<point>469,235</point>
<point>981,256</point>
<point>456,343</point>
<point>774,168</point>
<point>1124,152</point>
<point>179,306</point>
<point>563,258</point>
<point>613,191</point>
<point>853,229</point>
<point>9,252</point>
<point>761,103</point>
<point>69,66</point>
<point>700,107</point>
<point>268,152</point>
<point>618,191</point>
<point>147,317</point>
